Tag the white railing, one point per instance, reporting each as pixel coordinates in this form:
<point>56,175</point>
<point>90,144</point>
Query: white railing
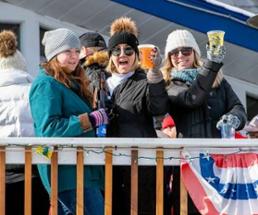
<point>107,152</point>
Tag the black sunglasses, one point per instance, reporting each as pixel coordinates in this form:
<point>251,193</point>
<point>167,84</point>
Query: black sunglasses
<point>186,51</point>
<point>127,50</point>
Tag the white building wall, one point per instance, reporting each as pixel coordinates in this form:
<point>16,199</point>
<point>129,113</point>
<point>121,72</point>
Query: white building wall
<point>30,23</point>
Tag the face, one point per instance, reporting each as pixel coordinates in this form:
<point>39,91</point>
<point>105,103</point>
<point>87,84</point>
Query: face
<point>182,58</point>
<point>123,56</point>
<point>69,59</point>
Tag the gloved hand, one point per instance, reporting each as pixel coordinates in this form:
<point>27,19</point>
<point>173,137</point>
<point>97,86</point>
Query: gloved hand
<point>215,54</point>
<point>154,75</point>
<point>98,117</point>
<point>230,119</point>
<point>156,59</point>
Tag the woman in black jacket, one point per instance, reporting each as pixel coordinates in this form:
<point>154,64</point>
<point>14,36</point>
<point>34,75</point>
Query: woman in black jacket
<point>136,98</point>
<point>199,96</point>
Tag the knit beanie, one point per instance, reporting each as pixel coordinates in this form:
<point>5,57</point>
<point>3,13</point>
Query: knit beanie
<point>92,39</point>
<point>10,57</point>
<point>181,38</point>
<point>168,122</point>
<point>59,40</point>
<point>123,30</point>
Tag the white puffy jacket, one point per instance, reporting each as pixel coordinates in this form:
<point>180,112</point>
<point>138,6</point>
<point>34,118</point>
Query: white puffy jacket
<point>15,115</point>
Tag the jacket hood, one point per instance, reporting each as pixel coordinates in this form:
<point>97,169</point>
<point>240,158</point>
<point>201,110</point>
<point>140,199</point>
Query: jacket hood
<point>12,77</point>
<point>101,58</point>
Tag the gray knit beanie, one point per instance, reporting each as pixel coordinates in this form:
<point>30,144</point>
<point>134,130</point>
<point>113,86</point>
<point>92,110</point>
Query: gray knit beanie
<point>59,40</point>
<point>181,38</point>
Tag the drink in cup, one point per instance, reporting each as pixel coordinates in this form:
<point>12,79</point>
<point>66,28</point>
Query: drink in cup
<point>216,39</point>
<point>145,55</point>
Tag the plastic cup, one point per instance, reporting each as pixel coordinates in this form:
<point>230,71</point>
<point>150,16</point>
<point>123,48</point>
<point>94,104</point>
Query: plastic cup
<point>145,54</point>
<point>216,39</point>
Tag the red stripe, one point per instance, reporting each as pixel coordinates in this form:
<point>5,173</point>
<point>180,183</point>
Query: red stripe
<point>197,193</point>
<point>235,160</point>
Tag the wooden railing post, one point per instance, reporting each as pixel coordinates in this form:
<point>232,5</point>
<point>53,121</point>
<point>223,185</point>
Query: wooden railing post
<point>183,198</point>
<point>108,180</point>
<point>159,182</point>
<point>80,182</point>
<point>2,180</point>
<point>27,182</point>
<point>54,182</point>
<point>134,182</point>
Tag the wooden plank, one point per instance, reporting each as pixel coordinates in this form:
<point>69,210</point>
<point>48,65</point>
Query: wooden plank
<point>28,182</point>
<point>2,180</point>
<point>134,182</point>
<point>54,182</point>
<point>80,182</point>
<point>159,182</point>
<point>183,198</point>
<point>108,181</point>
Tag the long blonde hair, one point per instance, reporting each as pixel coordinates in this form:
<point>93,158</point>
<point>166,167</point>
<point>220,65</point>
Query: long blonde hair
<point>62,75</point>
<point>168,67</point>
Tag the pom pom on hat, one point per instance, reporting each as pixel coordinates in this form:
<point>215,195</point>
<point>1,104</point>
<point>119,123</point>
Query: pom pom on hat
<point>123,30</point>
<point>181,38</point>
<point>59,40</point>
<point>168,122</point>
<point>10,57</point>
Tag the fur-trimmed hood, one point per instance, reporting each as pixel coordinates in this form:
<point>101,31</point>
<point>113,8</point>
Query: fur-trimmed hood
<point>101,58</point>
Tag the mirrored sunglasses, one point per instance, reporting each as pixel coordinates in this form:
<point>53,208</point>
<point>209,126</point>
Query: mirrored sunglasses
<point>127,51</point>
<point>186,51</point>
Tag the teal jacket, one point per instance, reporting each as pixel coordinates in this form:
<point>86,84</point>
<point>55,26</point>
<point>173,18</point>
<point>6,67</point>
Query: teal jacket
<point>55,109</point>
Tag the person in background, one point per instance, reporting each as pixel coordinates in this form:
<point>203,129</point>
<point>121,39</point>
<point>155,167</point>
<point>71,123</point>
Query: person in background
<point>61,107</point>
<point>199,96</point>
<point>16,121</point>
<point>94,59</point>
<point>136,98</point>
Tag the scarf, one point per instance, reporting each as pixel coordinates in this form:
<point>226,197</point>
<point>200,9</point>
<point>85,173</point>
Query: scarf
<point>186,75</point>
<point>117,79</point>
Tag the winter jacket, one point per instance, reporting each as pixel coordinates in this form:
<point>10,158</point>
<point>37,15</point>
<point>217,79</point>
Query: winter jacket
<point>197,107</point>
<point>135,102</point>
<point>15,116</point>
<point>55,109</point>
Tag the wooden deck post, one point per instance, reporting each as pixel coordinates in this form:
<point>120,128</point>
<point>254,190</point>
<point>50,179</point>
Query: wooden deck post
<point>134,182</point>
<point>2,180</point>
<point>159,182</point>
<point>80,182</point>
<point>28,181</point>
<point>108,181</point>
<point>54,182</point>
<point>183,198</point>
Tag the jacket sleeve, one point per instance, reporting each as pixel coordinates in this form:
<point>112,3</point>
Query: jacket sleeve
<point>47,113</point>
<point>195,95</point>
<point>234,105</point>
<point>157,98</point>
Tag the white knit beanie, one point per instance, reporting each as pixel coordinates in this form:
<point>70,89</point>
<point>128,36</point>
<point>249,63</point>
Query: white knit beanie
<point>16,61</point>
<point>59,40</point>
<point>181,38</point>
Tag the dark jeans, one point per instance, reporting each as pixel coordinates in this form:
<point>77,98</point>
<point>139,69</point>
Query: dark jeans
<point>93,202</point>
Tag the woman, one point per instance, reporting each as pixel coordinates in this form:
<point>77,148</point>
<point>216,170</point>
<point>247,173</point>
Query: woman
<point>198,94</point>
<point>61,107</point>
<point>16,121</point>
<point>136,99</point>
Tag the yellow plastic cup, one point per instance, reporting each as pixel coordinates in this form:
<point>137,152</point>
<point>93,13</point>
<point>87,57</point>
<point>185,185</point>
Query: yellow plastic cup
<point>216,39</point>
<point>145,54</point>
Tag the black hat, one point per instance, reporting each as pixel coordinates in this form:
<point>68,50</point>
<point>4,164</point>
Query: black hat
<point>92,39</point>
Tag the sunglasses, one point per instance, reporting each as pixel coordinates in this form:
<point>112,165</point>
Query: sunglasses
<point>127,51</point>
<point>186,51</point>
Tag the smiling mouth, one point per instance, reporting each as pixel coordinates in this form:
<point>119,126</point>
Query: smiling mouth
<point>123,62</point>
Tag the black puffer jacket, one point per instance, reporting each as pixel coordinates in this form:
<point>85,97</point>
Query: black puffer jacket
<point>135,102</point>
<point>198,107</point>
